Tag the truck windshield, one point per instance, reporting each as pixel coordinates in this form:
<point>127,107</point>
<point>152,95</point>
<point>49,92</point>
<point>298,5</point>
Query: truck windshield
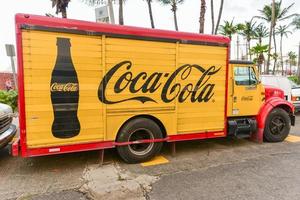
<point>245,76</point>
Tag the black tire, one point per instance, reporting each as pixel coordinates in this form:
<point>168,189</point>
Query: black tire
<point>137,129</point>
<point>277,126</point>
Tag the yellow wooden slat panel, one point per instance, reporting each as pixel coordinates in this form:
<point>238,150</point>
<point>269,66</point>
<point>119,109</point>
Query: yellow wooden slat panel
<point>37,94</point>
<point>36,141</point>
<point>203,62</point>
<point>42,65</point>
<point>43,79</point>
<point>186,48</point>
<point>44,100</point>
<point>206,109</point>
<point>36,127</point>
<point>48,107</point>
<point>119,48</point>
<point>209,56</point>
<point>45,87</point>
<point>78,60</point>
<point>45,36</point>
<point>39,60</point>
<point>140,55</point>
<point>92,52</point>
<point>88,113</point>
<point>139,43</point>
<point>142,62</point>
<point>203,116</point>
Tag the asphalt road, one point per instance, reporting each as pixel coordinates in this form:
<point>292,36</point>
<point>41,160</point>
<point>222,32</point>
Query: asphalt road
<point>210,169</point>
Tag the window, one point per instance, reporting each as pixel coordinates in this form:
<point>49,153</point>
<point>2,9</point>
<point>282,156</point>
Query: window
<point>245,76</point>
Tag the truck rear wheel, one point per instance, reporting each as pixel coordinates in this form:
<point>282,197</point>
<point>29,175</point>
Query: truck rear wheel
<point>277,126</point>
<point>139,129</point>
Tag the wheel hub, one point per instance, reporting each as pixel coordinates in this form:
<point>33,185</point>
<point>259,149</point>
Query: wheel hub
<point>143,148</point>
<point>277,125</point>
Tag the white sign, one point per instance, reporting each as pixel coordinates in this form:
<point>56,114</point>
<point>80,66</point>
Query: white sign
<point>102,14</point>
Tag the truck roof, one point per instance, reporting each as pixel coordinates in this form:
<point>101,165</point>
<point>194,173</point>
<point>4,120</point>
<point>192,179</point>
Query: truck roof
<point>241,62</point>
<point>36,22</point>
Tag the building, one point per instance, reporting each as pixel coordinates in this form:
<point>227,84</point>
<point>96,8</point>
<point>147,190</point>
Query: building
<point>6,81</point>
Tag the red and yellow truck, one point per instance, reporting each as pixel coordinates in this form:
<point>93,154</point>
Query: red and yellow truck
<point>92,86</point>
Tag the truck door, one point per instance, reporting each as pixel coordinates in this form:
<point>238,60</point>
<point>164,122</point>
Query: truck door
<point>247,91</point>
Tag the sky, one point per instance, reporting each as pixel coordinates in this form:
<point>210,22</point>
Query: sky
<point>136,14</point>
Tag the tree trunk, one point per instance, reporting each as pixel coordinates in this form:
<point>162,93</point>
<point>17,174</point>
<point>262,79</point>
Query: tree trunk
<point>270,35</point>
<point>202,16</point>
<point>260,40</point>
<point>219,17</point>
<point>150,13</point>
<point>299,64</point>
<point>249,47</point>
<point>281,57</point>
<point>64,12</point>
<point>275,53</point>
<point>174,9</point>
<point>121,19</point>
<point>212,17</point>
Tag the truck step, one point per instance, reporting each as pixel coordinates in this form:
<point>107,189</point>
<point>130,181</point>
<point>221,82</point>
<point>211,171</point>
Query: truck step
<point>242,136</point>
<point>241,127</point>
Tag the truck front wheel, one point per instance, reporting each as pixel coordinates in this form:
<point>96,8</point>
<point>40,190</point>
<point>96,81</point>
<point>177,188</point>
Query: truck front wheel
<point>277,126</point>
<point>139,129</point>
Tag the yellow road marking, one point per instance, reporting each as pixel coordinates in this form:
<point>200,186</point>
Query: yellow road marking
<point>158,160</point>
<point>293,138</point>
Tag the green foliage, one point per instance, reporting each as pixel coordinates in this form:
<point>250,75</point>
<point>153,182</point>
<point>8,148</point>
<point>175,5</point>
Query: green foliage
<point>259,51</point>
<point>282,30</point>
<point>229,29</point>
<point>296,22</point>
<point>292,57</point>
<point>261,32</point>
<point>248,29</point>
<point>9,98</point>
<point>295,79</point>
<point>280,12</point>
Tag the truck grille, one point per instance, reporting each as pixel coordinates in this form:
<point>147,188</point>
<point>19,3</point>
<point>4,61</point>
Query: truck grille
<point>5,121</point>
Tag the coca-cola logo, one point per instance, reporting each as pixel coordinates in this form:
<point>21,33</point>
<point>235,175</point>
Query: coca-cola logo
<point>200,91</point>
<point>64,87</point>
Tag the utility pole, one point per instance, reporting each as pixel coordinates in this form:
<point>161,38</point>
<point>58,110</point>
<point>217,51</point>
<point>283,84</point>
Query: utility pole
<point>299,56</point>
<point>111,12</point>
<point>238,48</point>
<point>299,62</point>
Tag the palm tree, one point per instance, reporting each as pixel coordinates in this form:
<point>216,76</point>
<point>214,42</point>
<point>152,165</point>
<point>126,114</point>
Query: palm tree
<point>292,59</point>
<point>261,32</point>
<point>202,16</point>
<point>228,29</point>
<point>150,13</point>
<point>219,17</point>
<point>272,14</point>
<point>296,22</point>
<point>61,7</point>
<point>174,6</point>
<point>282,31</point>
<point>259,51</point>
<point>248,31</point>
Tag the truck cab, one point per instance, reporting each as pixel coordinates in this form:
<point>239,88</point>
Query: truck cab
<point>248,99</point>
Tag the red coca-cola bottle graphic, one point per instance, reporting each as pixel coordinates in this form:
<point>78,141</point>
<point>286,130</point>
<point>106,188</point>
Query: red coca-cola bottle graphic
<point>64,92</point>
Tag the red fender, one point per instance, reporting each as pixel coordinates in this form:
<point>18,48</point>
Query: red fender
<point>264,112</point>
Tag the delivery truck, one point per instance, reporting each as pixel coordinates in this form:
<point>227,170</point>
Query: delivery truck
<point>93,86</point>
